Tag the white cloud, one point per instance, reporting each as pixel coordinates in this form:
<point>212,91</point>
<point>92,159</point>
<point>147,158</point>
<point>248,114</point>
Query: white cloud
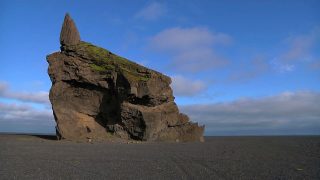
<point>282,67</point>
<point>301,45</point>
<point>23,116</point>
<point>256,67</point>
<point>41,97</point>
<point>285,113</point>
<point>182,39</point>
<point>315,65</point>
<point>192,48</point>
<point>187,87</point>
<point>197,60</point>
<point>299,49</point>
<point>152,11</point>
<point>23,113</point>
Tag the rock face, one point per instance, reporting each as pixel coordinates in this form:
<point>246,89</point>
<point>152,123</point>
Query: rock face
<point>69,33</point>
<point>96,94</point>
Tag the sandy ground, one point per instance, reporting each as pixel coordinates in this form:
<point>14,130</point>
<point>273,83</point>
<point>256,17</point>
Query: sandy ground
<point>33,157</point>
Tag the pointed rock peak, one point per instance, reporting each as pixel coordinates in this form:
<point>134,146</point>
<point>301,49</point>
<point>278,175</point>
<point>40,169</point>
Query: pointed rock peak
<point>69,33</point>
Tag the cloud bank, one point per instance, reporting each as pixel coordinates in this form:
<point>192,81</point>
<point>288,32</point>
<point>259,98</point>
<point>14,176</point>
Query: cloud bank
<point>30,114</point>
<point>285,113</point>
<point>25,118</point>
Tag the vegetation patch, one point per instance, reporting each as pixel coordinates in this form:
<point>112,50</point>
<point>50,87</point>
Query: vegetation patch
<point>103,60</point>
<point>97,68</point>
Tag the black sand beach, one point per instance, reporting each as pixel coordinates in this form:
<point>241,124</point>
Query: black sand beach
<point>41,157</point>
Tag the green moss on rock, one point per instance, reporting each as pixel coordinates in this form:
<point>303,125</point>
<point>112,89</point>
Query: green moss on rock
<point>97,68</point>
<point>103,60</point>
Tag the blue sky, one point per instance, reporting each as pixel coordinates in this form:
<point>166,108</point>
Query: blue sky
<point>239,67</point>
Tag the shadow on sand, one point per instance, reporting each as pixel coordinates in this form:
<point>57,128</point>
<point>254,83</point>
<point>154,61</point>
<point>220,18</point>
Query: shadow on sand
<point>46,137</point>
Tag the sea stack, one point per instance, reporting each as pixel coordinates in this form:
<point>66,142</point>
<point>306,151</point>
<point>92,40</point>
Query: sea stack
<point>96,94</point>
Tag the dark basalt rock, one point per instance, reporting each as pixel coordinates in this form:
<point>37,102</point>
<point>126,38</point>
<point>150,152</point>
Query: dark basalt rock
<point>96,94</point>
<point>69,33</point>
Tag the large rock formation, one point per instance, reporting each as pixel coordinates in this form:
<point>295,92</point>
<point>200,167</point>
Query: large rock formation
<point>97,94</point>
